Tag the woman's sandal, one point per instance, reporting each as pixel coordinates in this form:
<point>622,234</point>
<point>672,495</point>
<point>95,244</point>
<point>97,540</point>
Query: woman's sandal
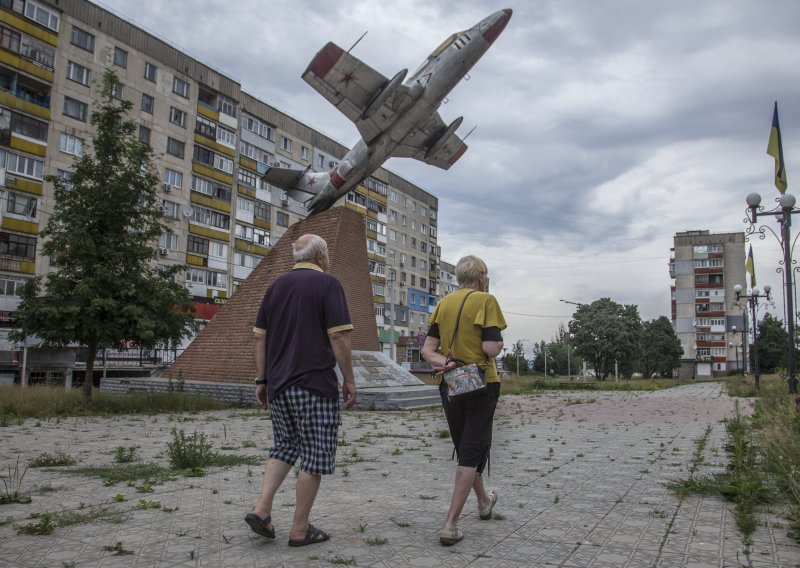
<point>486,513</point>
<point>449,537</point>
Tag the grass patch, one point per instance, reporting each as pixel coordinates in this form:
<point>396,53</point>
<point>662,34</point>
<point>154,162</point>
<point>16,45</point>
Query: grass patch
<point>528,384</point>
<point>150,472</point>
<point>12,486</point>
<point>49,402</point>
<point>91,515</point>
<point>56,460</point>
<point>43,526</point>
<point>193,452</point>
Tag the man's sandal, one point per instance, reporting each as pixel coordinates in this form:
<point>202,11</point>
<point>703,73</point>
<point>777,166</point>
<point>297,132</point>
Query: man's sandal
<point>260,526</point>
<point>313,536</point>
<point>486,513</point>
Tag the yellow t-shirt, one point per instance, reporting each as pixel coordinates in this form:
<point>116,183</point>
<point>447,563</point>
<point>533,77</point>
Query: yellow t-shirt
<point>480,310</point>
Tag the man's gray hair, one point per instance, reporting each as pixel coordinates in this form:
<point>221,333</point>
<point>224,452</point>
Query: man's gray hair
<point>308,253</point>
<point>468,271</point>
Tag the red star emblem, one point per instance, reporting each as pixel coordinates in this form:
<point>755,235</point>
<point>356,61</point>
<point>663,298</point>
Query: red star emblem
<point>347,77</point>
<point>311,181</point>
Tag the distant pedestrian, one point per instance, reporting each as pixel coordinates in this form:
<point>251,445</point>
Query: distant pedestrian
<point>477,316</point>
<point>302,331</point>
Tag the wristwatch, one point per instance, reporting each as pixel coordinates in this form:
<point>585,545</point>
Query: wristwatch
<point>260,381</point>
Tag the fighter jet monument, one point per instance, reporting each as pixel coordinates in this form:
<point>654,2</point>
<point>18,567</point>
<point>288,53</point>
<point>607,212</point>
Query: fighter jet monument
<point>396,117</point>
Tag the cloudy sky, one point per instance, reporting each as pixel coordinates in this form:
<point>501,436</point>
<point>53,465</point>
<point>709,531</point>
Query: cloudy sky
<point>602,127</point>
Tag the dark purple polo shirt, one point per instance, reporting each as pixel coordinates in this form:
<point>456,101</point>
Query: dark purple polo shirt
<point>297,313</point>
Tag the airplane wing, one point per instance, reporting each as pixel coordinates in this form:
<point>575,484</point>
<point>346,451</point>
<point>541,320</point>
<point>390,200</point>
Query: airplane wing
<point>418,142</point>
<point>283,178</point>
<point>350,85</point>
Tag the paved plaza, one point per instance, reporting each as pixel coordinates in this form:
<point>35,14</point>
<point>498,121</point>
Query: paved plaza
<point>580,477</point>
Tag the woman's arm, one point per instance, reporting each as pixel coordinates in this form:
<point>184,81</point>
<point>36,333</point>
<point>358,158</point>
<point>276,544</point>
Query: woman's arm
<point>492,348</point>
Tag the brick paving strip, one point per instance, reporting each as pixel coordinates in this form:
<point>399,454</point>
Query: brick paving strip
<point>580,476</point>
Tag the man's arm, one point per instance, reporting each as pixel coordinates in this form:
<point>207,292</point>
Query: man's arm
<point>342,350</point>
<point>260,355</point>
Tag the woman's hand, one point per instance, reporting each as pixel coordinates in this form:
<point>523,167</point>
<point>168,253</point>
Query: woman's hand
<point>448,365</point>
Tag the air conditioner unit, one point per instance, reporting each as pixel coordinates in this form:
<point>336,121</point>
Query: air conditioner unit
<point>188,212</point>
<point>164,251</point>
<point>402,283</point>
<point>332,164</point>
<point>167,187</point>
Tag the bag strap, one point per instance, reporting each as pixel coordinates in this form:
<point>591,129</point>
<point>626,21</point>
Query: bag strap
<point>455,330</point>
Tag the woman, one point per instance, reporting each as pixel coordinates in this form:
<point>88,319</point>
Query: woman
<point>469,418</point>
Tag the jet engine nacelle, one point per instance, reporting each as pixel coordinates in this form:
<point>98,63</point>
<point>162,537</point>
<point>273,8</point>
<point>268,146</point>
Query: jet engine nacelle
<point>384,93</point>
<point>442,139</point>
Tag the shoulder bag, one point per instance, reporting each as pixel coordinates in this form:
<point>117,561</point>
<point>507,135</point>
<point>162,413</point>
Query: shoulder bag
<point>464,379</point>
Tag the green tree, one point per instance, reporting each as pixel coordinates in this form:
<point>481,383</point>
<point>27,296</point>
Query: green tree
<point>606,333</point>
<point>101,240</point>
<point>661,349</point>
<point>773,344</point>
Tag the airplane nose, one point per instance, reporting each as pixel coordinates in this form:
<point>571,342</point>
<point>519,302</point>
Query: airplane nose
<point>498,26</point>
<point>508,12</point>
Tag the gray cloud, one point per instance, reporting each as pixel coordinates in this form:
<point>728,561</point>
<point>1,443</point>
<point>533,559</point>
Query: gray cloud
<point>603,127</point>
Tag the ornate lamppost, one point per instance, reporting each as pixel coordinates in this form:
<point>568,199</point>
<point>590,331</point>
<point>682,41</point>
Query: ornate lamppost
<point>783,213</point>
<point>752,300</point>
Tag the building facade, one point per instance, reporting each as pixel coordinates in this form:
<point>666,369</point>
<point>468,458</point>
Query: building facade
<point>211,142</point>
<point>705,268</point>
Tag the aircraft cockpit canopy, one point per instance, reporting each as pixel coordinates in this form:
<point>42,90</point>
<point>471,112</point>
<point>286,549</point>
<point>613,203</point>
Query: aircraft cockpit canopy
<point>435,53</point>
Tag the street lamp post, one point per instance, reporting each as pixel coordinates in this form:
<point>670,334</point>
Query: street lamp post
<point>752,300</point>
<point>783,212</point>
<point>736,351</point>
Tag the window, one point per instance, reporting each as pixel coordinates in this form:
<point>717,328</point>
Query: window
<point>175,147</point>
<point>423,283</point>
<point>246,177</point>
<point>321,161</point>
<point>304,152</point>
<point>118,91</point>
<point>393,196</point>
<point>144,135</point>
<point>261,236</point>
<point>203,155</point>
<point>413,243</point>
<point>413,262</point>
<point>197,245</point>
<point>393,215</point>
<point>282,219</point>
<point>423,300</point>
<point>393,234</point>
<point>147,103</point>
<point>22,205</point>
<point>212,189</point>
<point>207,277</point>
<point>246,260</point>
<point>226,137</point>
<point>22,165</point>
<point>286,143</point>
<point>378,289</point>
<point>243,232</point>
<point>404,220</point>
<point>71,144</point>
<point>37,51</point>
<point>210,217</point>
<point>262,211</point>
<point>414,206</point>
<point>423,210</point>
<point>226,105</point>
<point>173,178</point>
<point>9,39</point>
<point>78,73</point>
<point>258,127</point>
<point>207,128</point>
<point>150,72</point>
<point>17,245</point>
<point>82,39</point>
<point>423,246</point>
<point>177,116</point>
<point>75,109</point>
<point>432,231</point>
<point>10,286</point>
<point>423,265</point>
<point>244,205</point>
<point>171,209</point>
<point>41,15</point>
<point>120,58</point>
<point>391,254</point>
<point>168,240</point>
<point>180,87</point>
<point>26,126</point>
<point>223,164</point>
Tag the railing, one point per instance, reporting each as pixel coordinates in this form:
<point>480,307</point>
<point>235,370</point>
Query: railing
<point>120,358</point>
<point>42,101</point>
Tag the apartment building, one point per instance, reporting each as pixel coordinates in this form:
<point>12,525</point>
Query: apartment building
<point>211,142</point>
<point>705,268</point>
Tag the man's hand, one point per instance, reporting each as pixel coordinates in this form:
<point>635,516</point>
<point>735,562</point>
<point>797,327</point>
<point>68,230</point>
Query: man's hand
<point>349,393</point>
<point>261,396</point>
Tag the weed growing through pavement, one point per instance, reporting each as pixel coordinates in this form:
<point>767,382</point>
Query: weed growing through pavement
<point>118,549</point>
<point>125,455</point>
<point>400,523</point>
<point>48,460</point>
<point>13,485</point>
<point>376,541</point>
<point>144,504</point>
<point>43,526</point>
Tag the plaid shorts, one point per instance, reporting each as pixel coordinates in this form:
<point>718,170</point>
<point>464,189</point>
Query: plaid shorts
<point>305,425</point>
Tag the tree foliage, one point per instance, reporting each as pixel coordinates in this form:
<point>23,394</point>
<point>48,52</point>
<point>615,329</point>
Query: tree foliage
<point>102,244</point>
<point>516,357</point>
<point>773,344</point>
<point>661,349</point>
<point>606,333</point>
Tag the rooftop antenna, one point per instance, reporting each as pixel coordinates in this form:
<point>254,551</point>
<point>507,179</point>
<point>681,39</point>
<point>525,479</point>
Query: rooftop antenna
<point>358,40</point>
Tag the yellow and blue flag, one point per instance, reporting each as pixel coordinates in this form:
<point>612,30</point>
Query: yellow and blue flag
<point>775,149</point>
<point>749,266</point>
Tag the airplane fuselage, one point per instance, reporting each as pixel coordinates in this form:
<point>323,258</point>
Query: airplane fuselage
<point>429,85</point>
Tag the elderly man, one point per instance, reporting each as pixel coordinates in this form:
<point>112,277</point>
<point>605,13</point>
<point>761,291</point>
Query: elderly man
<point>302,331</point>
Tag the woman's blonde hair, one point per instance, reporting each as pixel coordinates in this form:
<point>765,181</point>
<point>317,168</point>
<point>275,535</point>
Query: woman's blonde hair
<point>468,271</point>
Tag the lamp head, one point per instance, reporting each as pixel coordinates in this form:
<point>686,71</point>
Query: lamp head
<point>767,289</point>
<point>787,201</point>
<point>755,292</point>
<point>753,200</point>
<point>738,289</point>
